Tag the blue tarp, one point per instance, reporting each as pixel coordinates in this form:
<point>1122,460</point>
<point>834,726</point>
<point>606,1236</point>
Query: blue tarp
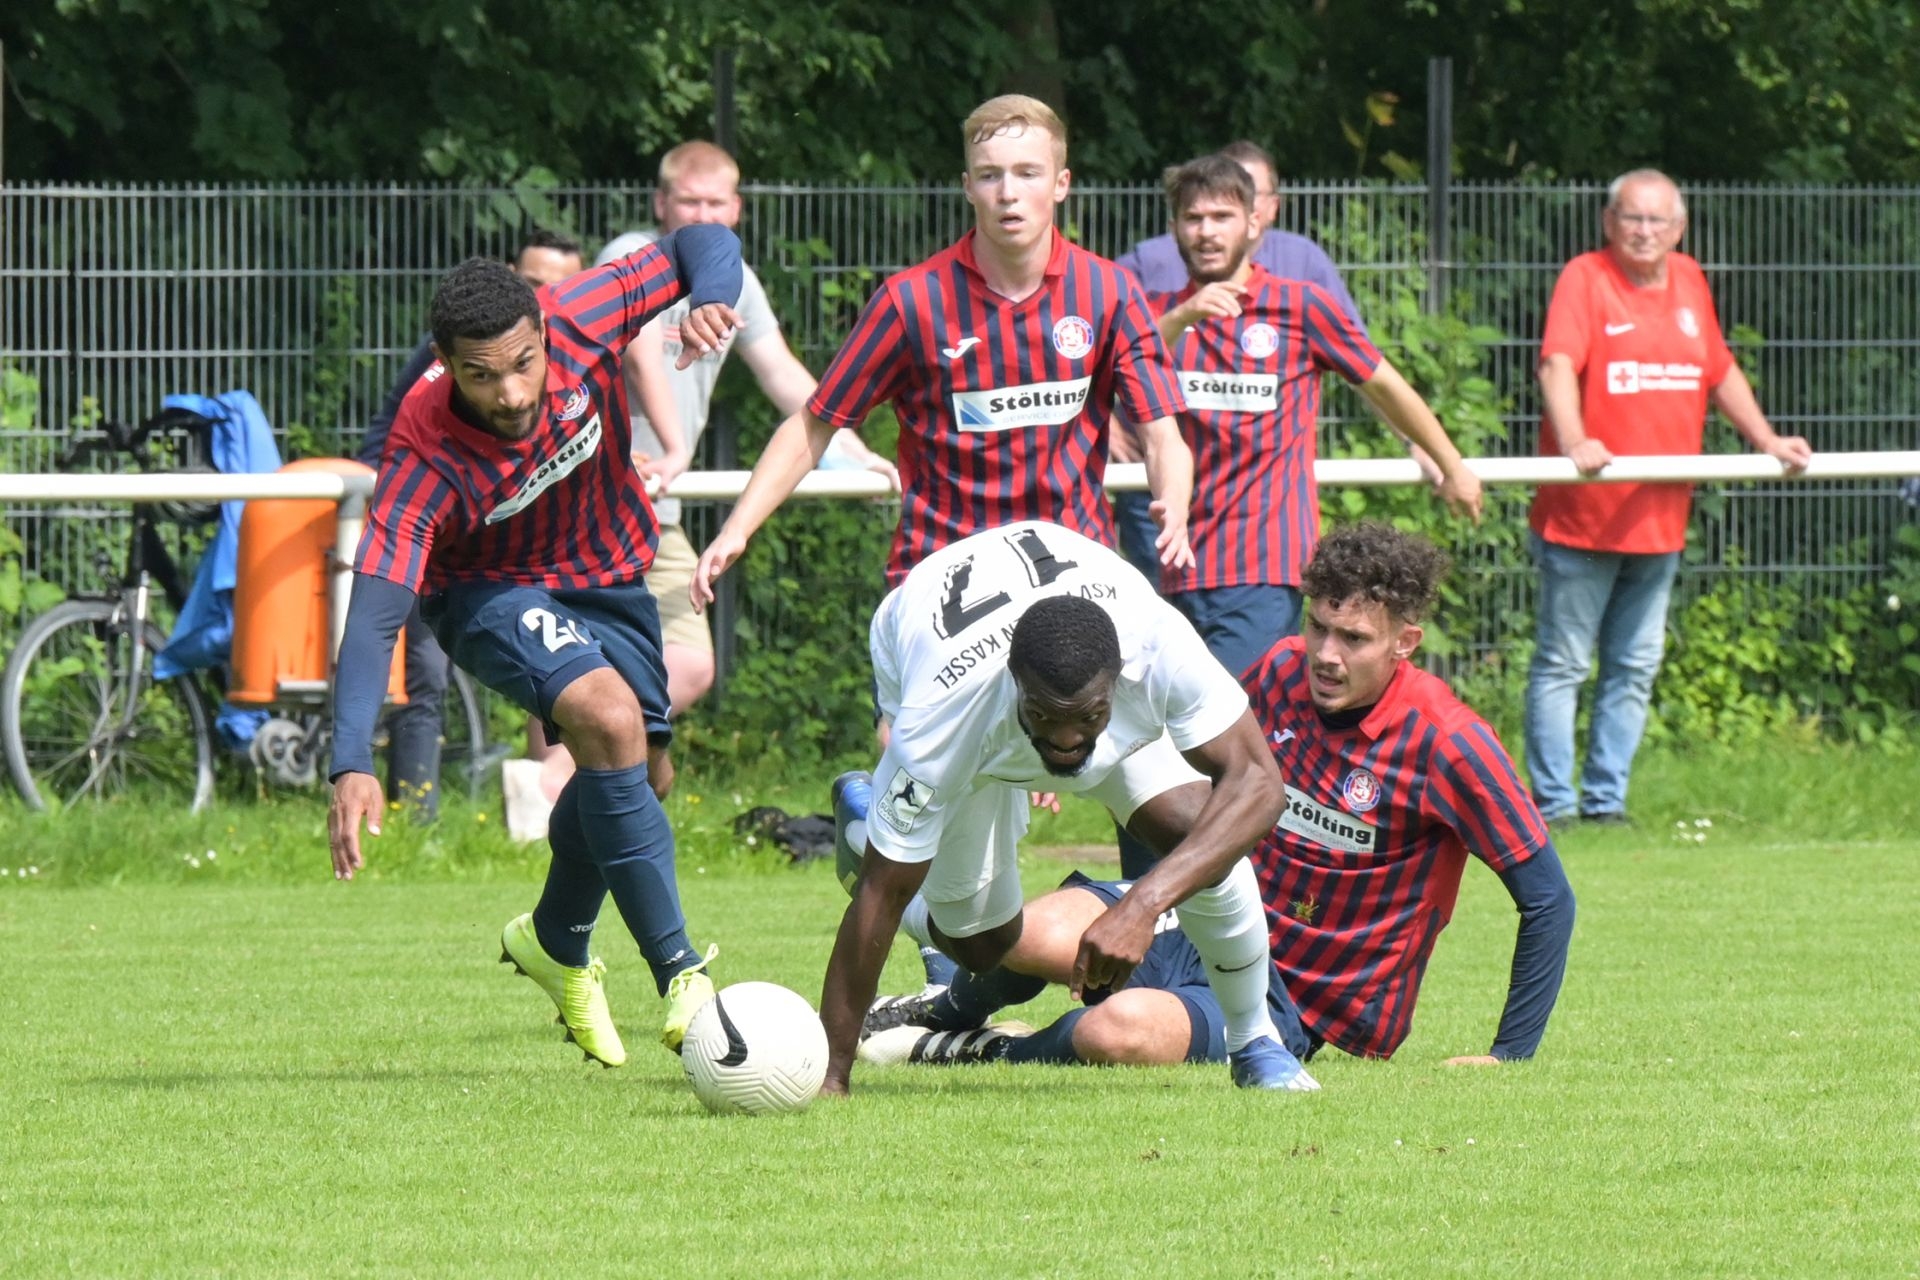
<point>242,443</point>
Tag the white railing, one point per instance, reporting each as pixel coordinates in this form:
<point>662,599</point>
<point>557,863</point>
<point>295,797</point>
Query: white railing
<point>722,485</point>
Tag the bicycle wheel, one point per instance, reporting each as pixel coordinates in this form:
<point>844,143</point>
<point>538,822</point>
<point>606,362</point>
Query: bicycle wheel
<point>464,753</point>
<point>64,713</point>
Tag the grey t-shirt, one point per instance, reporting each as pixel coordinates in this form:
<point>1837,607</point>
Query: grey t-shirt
<point>692,387</point>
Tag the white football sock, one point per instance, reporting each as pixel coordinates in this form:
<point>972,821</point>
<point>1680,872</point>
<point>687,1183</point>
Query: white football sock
<point>1228,927</point>
<point>913,922</point>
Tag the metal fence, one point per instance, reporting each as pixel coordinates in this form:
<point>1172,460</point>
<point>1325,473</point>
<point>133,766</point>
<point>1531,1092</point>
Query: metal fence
<point>112,297</point>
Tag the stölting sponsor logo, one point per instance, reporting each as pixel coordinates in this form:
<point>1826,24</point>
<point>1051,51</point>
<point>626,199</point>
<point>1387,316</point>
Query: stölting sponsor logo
<point>552,471</point>
<point>1230,392</point>
<point>1033,404</point>
<point>1324,825</point>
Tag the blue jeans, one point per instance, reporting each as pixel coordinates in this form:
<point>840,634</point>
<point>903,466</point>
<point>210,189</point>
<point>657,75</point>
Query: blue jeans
<point>1137,529</point>
<point>1619,603</point>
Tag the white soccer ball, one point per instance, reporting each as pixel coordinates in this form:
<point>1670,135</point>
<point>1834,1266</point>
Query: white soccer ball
<point>756,1048</point>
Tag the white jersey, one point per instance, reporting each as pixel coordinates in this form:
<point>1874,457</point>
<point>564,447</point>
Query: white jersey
<point>940,643</point>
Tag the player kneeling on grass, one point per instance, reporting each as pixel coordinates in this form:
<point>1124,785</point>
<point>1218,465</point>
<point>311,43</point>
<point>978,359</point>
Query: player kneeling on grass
<point>509,501</point>
<point>1391,782</point>
<point>1030,657</point>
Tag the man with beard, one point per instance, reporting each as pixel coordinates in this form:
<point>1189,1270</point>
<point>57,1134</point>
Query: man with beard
<point>1026,657</point>
<point>1249,348</point>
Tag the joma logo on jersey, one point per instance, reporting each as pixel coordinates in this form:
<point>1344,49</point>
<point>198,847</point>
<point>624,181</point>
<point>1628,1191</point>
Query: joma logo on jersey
<point>1036,404</point>
<point>551,472</point>
<point>1325,825</point>
<point>1233,393</point>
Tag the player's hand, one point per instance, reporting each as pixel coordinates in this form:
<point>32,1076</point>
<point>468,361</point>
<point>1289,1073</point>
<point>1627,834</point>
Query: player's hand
<point>719,556</point>
<point>665,469</point>
<point>1590,456</point>
<point>356,797</point>
<point>1111,949</point>
<point>1220,300</point>
<point>1045,800</point>
<point>880,464</point>
<point>1793,452</point>
<point>1171,542</point>
<point>1460,490</point>
<point>1474,1060</point>
<point>660,770</point>
<point>1121,445</point>
<point>705,330</point>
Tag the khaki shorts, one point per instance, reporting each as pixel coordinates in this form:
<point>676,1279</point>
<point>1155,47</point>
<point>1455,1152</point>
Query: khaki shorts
<point>672,572</point>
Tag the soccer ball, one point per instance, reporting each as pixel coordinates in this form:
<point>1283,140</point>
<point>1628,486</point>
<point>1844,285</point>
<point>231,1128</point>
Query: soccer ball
<point>756,1048</point>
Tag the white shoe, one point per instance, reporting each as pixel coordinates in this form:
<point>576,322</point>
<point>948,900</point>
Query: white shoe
<point>940,1048</point>
<point>528,809</point>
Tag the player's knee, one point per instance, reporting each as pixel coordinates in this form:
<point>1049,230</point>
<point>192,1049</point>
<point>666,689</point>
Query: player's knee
<point>1122,1032</point>
<point>601,722</point>
<point>980,952</point>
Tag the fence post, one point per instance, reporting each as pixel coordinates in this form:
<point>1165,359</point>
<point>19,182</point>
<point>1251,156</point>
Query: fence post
<point>1439,180</point>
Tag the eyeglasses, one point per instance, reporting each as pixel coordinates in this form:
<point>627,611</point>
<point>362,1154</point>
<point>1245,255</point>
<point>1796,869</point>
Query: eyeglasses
<point>1646,221</point>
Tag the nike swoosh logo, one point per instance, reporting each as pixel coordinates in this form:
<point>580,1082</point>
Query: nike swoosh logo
<point>1283,737</point>
<point>959,348</point>
<point>736,1043</point>
<point>1237,968</point>
<point>1615,329</point>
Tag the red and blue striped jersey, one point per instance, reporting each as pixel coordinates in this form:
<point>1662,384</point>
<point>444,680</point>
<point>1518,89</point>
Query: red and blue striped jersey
<point>564,507</point>
<point>1003,406</point>
<point>1252,387</point>
<point>1362,871</point>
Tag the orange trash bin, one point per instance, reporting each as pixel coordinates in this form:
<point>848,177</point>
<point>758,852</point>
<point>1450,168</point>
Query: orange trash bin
<point>281,628</point>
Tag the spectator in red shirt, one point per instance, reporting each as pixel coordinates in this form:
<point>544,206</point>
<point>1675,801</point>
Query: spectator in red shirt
<point>1633,355</point>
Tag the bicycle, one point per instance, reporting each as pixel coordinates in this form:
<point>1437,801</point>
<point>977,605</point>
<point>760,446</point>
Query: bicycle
<point>82,716</point>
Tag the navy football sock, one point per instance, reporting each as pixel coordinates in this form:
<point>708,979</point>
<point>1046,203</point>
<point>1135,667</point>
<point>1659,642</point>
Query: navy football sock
<point>632,844</point>
<point>570,903</point>
<point>1051,1043</point>
<point>972,998</point>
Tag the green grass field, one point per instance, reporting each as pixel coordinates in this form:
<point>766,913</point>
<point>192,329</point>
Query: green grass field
<point>245,1068</point>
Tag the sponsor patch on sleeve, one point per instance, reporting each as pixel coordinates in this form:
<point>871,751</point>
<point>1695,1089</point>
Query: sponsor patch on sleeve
<point>903,800</point>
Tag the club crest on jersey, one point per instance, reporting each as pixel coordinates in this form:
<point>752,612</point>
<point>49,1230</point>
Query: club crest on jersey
<point>1685,319</point>
<point>1360,791</point>
<point>1259,340</point>
<point>1072,337</point>
<point>576,404</point>
<point>903,800</point>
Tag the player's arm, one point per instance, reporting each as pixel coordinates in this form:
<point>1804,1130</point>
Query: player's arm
<point>1402,409</point>
<point>880,898</point>
<point>1544,898</point>
<point>793,451</point>
<point>700,262</point>
<point>869,368</point>
<point>1734,397</point>
<point>1246,799</point>
<point>1170,480</point>
<point>787,382</point>
<point>1217,301</point>
<point>375,615</point>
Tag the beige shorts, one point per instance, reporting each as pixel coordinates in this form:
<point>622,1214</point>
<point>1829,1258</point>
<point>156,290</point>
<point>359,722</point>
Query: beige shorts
<point>973,883</point>
<point>672,572</point>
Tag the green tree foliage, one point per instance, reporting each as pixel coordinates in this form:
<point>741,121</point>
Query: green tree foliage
<point>494,89</point>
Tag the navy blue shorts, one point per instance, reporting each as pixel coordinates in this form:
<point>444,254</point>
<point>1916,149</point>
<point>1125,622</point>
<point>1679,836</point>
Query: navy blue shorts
<point>529,643</point>
<point>1172,965</point>
<point>1240,624</point>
